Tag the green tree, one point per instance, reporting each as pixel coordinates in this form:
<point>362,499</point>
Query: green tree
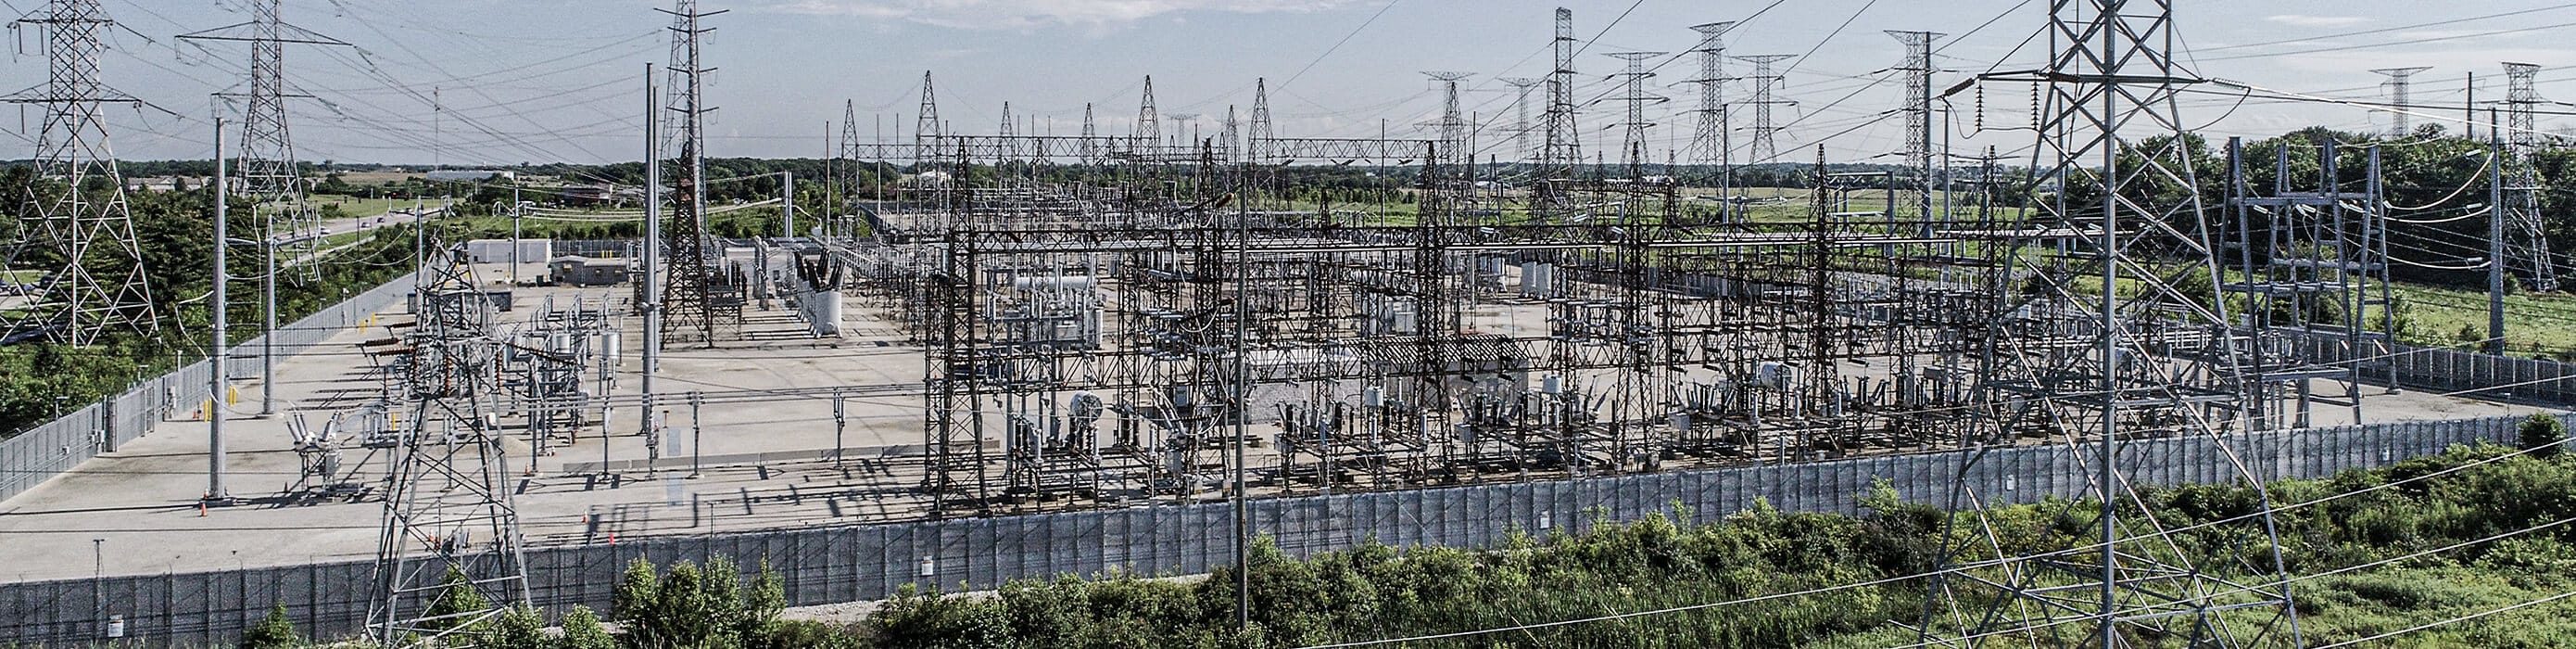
<point>2543,434</point>
<point>272,632</point>
<point>519,627</point>
<point>581,630</point>
<point>457,602</point>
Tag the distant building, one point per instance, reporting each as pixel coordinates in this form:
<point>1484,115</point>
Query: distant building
<point>471,175</point>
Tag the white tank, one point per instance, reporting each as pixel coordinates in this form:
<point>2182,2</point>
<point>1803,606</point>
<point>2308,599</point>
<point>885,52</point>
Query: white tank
<point>825,312</point>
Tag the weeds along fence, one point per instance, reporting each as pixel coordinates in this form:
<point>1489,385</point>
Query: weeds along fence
<point>56,446</point>
<point>851,563</point>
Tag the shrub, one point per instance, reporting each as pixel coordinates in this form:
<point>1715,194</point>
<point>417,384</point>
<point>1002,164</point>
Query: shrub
<point>581,630</point>
<point>272,632</point>
<point>519,627</point>
<point>2543,434</point>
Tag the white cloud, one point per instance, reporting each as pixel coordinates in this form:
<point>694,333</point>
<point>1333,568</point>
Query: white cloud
<point>1026,14</point>
<point>2319,22</point>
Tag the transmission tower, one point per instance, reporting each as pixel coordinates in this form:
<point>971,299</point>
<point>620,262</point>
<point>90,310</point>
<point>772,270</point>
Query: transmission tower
<point>2107,344</point>
<point>1765,81</point>
<point>266,170</point>
<point>1709,141</point>
<point>852,176</point>
<point>97,284</point>
<point>1149,122</point>
<point>1918,71</point>
<point>689,301</point>
<point>1632,146</point>
<point>1521,87</point>
<point>2399,79</point>
<point>447,502</point>
<point>1562,149</point>
<point>1452,125</point>
<point>925,123</point>
<point>2530,246</point>
<point>1257,136</point>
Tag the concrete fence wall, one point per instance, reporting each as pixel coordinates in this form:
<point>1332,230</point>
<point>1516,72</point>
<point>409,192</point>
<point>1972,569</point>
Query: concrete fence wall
<point>849,563</point>
<point>2449,370</point>
<point>56,446</point>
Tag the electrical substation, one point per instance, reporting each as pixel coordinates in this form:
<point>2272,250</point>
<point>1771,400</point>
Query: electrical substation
<point>1029,325</point>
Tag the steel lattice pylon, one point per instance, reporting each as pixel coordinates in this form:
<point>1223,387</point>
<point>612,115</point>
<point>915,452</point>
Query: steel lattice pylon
<point>1766,81</point>
<point>447,502</point>
<point>266,170</point>
<point>1632,141</point>
<point>2527,247</point>
<point>1709,139</point>
<point>689,289</point>
<point>1561,149</point>
<point>96,283</point>
<point>2101,340</point>
<point>1918,69</point>
<point>2400,81</point>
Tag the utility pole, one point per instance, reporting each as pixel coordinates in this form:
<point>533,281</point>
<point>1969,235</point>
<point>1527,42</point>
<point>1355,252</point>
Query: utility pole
<point>268,314</point>
<point>787,201</point>
<point>2495,244</point>
<point>216,353</point>
<point>518,212</point>
<point>651,277</point>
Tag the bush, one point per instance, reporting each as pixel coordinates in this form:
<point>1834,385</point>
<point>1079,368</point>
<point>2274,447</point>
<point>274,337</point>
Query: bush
<point>696,606</point>
<point>520,627</point>
<point>2542,434</point>
<point>272,632</point>
<point>581,630</point>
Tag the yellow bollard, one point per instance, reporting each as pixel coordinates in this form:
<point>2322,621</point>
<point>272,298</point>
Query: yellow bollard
<point>232,396</point>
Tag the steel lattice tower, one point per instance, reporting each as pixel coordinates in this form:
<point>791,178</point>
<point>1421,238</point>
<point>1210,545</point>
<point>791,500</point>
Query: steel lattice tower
<point>1452,126</point>
<point>688,290</point>
<point>1765,81</point>
<point>852,176</point>
<point>925,123</point>
<point>1918,69</point>
<point>1562,149</point>
<point>266,169</point>
<point>1632,143</point>
<point>1149,122</point>
<point>1521,87</point>
<point>1709,141</point>
<point>98,282</point>
<point>2529,244</point>
<point>2397,85</point>
<point>1257,136</point>
<point>2102,342</point>
<point>447,504</point>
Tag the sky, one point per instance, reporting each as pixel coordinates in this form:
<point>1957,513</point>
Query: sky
<point>504,82</point>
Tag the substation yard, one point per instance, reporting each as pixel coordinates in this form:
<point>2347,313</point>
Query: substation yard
<point>768,453</point>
